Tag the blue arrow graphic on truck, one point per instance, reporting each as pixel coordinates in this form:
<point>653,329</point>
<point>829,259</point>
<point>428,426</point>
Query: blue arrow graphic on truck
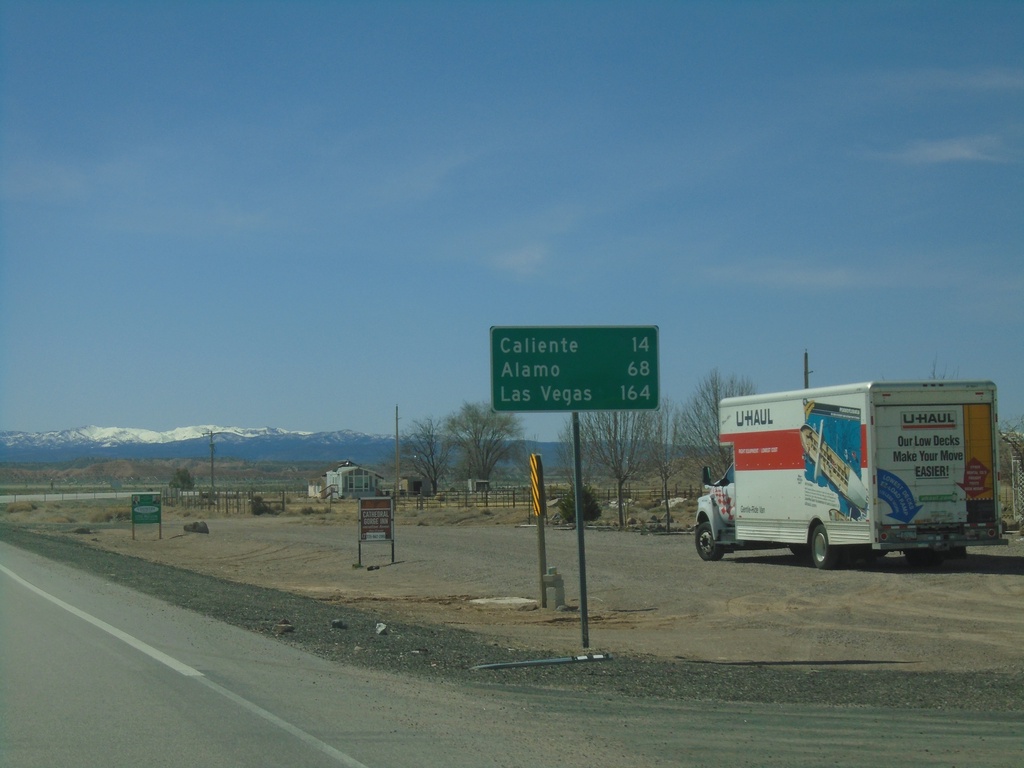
<point>897,494</point>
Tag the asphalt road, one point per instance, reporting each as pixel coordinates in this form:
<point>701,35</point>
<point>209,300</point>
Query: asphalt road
<point>94,674</point>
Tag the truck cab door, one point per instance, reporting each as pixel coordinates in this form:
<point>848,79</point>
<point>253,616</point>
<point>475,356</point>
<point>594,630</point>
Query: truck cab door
<point>722,493</point>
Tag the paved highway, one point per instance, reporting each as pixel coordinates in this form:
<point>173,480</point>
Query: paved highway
<point>92,674</point>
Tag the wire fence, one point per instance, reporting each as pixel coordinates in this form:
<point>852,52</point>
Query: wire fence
<point>228,501</point>
<point>12,498</point>
<point>276,501</point>
<point>1017,490</point>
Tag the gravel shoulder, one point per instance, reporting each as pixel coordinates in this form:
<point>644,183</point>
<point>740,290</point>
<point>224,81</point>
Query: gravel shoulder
<point>757,628</point>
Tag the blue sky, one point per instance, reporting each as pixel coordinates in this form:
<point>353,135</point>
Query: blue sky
<point>304,214</point>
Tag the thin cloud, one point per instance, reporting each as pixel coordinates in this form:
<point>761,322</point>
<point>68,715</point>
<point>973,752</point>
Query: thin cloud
<point>978,81</point>
<point>42,182</point>
<point>522,262</point>
<point>879,271</point>
<point>984,149</point>
<point>423,179</point>
<point>787,274</point>
<point>990,80</point>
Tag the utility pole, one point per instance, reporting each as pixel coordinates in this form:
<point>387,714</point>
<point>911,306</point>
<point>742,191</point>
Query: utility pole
<point>213,488</point>
<point>397,459</point>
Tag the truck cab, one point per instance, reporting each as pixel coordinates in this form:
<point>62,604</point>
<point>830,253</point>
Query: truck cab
<point>716,518</point>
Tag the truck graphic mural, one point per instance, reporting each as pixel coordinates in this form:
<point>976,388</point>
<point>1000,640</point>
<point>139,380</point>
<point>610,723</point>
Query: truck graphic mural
<point>897,494</point>
<point>832,446</point>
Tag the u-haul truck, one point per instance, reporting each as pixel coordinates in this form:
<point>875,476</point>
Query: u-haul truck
<point>857,471</point>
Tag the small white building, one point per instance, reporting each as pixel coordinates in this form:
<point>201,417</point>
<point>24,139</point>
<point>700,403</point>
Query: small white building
<point>350,481</point>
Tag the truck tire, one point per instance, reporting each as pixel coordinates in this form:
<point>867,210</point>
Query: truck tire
<point>824,556</point>
<point>707,547</point>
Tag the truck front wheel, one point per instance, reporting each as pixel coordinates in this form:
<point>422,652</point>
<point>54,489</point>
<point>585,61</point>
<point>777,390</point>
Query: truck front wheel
<point>823,554</point>
<point>707,547</point>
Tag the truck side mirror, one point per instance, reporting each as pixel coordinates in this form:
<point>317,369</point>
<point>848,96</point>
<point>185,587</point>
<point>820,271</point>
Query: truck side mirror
<point>705,476</point>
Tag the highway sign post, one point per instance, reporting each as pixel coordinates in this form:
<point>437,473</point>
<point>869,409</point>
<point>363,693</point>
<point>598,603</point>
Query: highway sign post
<point>563,369</point>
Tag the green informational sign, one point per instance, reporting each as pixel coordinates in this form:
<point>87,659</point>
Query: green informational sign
<point>574,368</point>
<point>145,508</point>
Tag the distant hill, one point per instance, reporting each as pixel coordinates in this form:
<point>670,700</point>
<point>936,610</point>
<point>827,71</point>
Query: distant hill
<point>263,444</point>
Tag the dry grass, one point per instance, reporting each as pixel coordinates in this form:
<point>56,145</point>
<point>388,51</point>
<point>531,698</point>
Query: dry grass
<point>314,512</point>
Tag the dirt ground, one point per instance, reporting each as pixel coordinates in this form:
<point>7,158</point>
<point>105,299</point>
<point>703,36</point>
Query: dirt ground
<point>647,594</point>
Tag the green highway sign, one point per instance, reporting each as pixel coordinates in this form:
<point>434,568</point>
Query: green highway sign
<point>574,368</point>
<point>146,508</point>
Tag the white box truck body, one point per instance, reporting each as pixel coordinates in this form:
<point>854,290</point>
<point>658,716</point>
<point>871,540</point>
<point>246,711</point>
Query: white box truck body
<point>858,470</point>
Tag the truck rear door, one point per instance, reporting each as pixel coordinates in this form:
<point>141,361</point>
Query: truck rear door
<point>936,464</point>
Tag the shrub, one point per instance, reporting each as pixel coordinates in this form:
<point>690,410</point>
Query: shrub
<point>108,516</point>
<point>567,506</point>
<point>21,506</point>
<point>182,479</point>
<point>259,507</point>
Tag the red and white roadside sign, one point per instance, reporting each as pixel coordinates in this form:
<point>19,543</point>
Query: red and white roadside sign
<point>376,522</point>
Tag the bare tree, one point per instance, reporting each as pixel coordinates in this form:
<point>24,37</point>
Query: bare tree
<point>618,442</point>
<point>699,418</point>
<point>563,452</point>
<point>945,374</point>
<point>484,438</point>
<point>1011,433</point>
<point>426,447</point>
<point>667,448</point>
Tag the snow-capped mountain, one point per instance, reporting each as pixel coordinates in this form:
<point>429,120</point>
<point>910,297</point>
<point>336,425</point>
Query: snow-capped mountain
<point>260,444</point>
<point>111,436</point>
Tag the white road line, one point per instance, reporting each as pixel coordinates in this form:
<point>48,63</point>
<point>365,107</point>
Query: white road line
<point>124,637</point>
<point>187,671</point>
<point>298,733</point>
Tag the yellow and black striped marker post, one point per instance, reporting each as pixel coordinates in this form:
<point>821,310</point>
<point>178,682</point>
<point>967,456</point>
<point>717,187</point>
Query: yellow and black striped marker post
<point>539,505</point>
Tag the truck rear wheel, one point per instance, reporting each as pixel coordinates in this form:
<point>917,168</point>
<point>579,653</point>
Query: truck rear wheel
<point>707,547</point>
<point>823,555</point>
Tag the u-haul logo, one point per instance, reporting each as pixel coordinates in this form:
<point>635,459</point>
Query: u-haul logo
<point>754,417</point>
<point>928,419</point>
